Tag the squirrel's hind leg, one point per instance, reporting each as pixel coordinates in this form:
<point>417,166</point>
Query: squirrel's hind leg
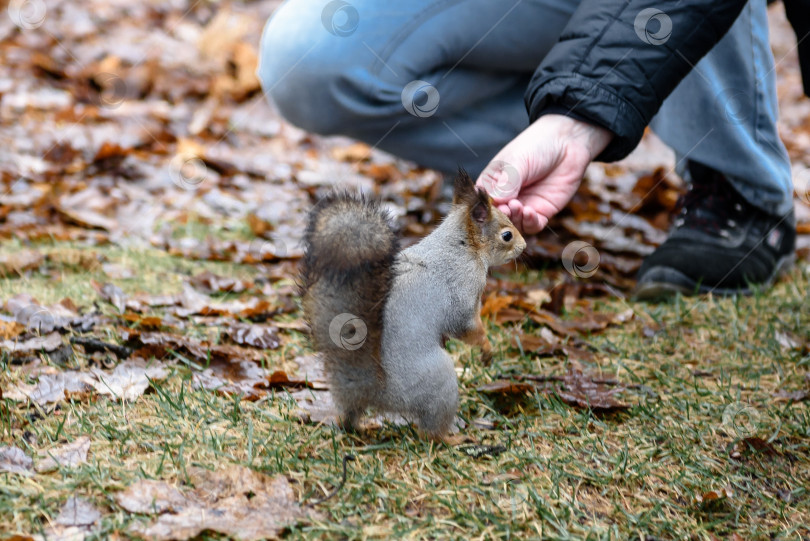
<point>435,408</point>
<point>350,405</point>
<point>350,420</point>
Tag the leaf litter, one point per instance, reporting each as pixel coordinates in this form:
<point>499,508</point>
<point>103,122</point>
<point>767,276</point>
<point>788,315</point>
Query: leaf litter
<point>233,500</point>
<point>97,153</point>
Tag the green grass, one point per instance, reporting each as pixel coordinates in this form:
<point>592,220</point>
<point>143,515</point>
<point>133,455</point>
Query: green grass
<point>565,473</point>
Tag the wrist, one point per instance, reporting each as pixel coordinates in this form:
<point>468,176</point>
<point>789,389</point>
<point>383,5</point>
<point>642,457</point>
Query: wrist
<point>593,138</point>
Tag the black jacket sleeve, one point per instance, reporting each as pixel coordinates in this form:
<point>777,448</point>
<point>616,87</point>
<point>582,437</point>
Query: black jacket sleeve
<point>617,60</point>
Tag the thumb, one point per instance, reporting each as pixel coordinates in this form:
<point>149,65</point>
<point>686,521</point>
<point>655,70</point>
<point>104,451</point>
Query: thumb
<point>501,180</point>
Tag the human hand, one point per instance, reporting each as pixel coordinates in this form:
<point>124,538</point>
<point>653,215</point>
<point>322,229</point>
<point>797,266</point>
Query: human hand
<point>534,176</point>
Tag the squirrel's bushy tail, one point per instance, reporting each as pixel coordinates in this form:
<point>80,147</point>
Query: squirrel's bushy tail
<point>347,271</point>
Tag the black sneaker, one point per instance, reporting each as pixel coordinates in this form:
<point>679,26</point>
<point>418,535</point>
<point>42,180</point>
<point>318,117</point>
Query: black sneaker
<point>719,243</point>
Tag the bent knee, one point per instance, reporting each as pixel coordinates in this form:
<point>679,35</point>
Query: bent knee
<point>303,67</point>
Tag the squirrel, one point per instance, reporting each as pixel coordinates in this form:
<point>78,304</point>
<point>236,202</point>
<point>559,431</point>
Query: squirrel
<point>380,316</point>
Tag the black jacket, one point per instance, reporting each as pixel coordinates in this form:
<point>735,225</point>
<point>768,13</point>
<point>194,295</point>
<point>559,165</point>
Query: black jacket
<point>604,72</point>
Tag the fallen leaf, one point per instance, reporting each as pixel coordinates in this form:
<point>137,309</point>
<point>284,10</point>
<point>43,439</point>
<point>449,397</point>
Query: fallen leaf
<point>208,283</point>
<point>14,460</point>
<point>244,378</point>
<point>18,262</point>
<point>506,387</point>
<point>254,335</point>
<point>10,329</point>
<point>752,445</point>
<point>538,297</point>
<point>788,341</point>
<point>800,395</point>
<point>356,152</point>
<point>233,500</point>
<point>494,304</point>
<point>128,380</point>
<point>548,345</point>
<point>68,455</point>
<point>316,407</point>
<point>78,512</point>
<point>160,345</point>
<point>150,497</point>
<point>51,388</point>
<point>714,497</point>
<point>111,293</point>
<point>575,388</point>
<point>47,343</point>
<point>311,371</point>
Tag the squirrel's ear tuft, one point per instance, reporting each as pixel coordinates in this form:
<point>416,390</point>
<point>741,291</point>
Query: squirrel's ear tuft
<point>464,192</point>
<point>482,208</point>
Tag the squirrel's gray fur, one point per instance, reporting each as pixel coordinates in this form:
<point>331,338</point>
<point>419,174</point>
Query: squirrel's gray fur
<point>380,316</point>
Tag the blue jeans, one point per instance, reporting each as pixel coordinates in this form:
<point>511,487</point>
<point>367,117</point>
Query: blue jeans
<point>441,82</point>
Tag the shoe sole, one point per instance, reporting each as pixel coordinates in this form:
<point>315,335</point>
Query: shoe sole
<point>678,282</point>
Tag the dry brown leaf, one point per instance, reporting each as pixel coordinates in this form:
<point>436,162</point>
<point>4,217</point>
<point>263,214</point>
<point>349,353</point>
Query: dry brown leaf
<point>316,406</point>
<point>311,371</point>
<point>714,497</point>
<point>10,329</point>
<point>49,342</point>
<point>754,444</point>
<point>128,380</point>
<point>14,460</point>
<point>356,152</point>
<point>208,283</point>
<point>506,387</point>
<point>78,512</point>
<point>494,304</point>
<point>111,293</point>
<point>799,395</point>
<point>150,497</point>
<point>234,501</point>
<point>575,388</point>
<point>19,262</point>
<point>245,378</point>
<point>159,345</point>
<point>255,335</point>
<point>51,388</point>
<point>68,455</point>
<point>538,297</point>
<point>87,208</point>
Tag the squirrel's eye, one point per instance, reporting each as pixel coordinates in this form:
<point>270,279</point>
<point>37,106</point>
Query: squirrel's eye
<point>506,236</point>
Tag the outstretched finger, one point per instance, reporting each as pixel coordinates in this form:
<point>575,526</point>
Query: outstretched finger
<point>532,222</point>
<point>516,213</point>
<point>501,180</point>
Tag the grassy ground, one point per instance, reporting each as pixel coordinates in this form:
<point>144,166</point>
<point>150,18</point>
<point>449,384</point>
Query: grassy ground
<point>564,473</point>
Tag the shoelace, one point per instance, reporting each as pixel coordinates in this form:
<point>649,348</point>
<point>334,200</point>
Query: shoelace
<point>710,205</point>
